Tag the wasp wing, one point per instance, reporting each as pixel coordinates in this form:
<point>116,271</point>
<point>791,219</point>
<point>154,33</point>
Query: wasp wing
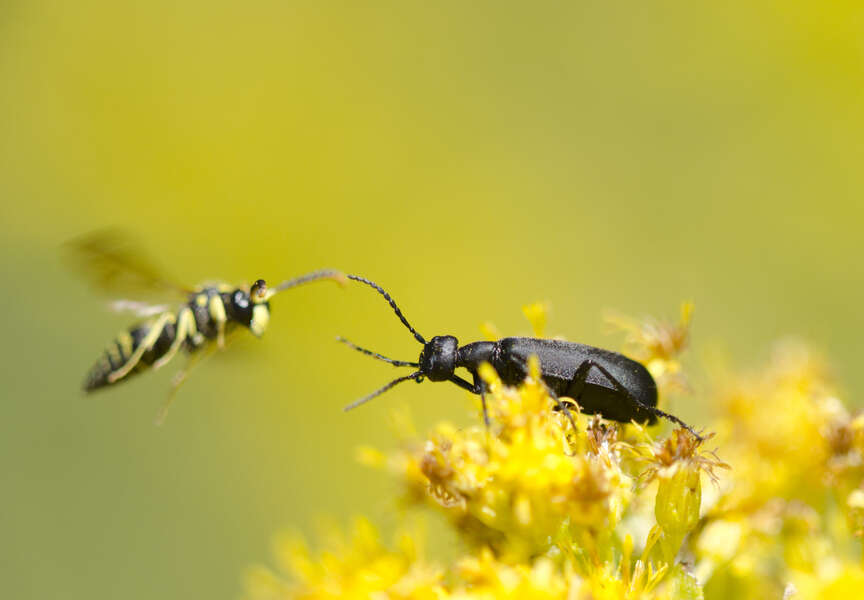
<point>137,308</point>
<point>112,262</point>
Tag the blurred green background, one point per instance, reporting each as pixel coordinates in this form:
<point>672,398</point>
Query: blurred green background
<point>471,157</point>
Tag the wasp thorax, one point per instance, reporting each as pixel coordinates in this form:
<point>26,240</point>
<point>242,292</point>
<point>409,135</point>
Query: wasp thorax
<point>244,310</point>
<point>260,318</point>
<point>240,307</point>
<point>438,359</point>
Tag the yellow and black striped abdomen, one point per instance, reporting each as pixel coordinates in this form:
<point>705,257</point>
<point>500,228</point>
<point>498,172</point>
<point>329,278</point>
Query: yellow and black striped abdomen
<point>200,321</point>
<point>114,365</point>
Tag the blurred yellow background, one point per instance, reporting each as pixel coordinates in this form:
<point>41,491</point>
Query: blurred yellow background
<point>470,157</point>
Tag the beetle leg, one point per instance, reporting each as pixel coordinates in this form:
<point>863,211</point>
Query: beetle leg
<point>478,387</point>
<point>622,390</point>
<point>561,406</point>
<point>579,378</point>
<point>464,384</point>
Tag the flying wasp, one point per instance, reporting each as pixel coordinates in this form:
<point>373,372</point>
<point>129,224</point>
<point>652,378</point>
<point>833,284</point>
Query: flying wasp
<point>201,323</point>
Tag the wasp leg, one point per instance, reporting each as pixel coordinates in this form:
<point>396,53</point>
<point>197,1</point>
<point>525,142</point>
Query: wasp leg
<point>176,382</point>
<point>218,316</point>
<point>582,373</point>
<point>180,378</point>
<point>185,328</point>
<point>145,345</point>
<point>220,335</point>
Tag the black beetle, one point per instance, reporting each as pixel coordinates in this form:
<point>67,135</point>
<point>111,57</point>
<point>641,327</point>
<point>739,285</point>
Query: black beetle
<point>600,381</point>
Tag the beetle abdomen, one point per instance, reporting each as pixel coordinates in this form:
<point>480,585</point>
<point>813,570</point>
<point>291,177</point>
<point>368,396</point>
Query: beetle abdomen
<point>597,394</point>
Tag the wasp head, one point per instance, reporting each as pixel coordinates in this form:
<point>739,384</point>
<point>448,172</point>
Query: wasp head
<point>251,308</point>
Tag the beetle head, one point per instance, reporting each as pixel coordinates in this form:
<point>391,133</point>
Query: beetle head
<point>438,358</point>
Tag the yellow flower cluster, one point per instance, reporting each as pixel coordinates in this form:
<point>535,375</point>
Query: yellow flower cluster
<point>788,518</point>
<point>657,344</point>
<point>610,511</point>
<point>360,568</point>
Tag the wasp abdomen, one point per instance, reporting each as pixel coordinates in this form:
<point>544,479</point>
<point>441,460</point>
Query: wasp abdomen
<point>124,348</point>
<point>202,305</point>
<point>150,344</point>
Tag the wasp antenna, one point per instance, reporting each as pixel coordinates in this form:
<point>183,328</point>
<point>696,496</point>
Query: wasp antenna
<point>337,276</point>
<point>392,302</point>
<point>378,392</point>
<point>396,363</point>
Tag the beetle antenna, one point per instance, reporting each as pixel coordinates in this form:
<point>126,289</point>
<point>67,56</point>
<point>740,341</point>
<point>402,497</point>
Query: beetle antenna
<point>337,276</point>
<point>395,363</point>
<point>365,399</point>
<point>387,297</point>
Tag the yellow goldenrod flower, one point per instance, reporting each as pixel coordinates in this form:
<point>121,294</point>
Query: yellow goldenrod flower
<point>536,314</point>
<point>611,512</point>
<point>657,344</point>
<point>777,525</point>
<point>363,568</point>
<point>677,465</point>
